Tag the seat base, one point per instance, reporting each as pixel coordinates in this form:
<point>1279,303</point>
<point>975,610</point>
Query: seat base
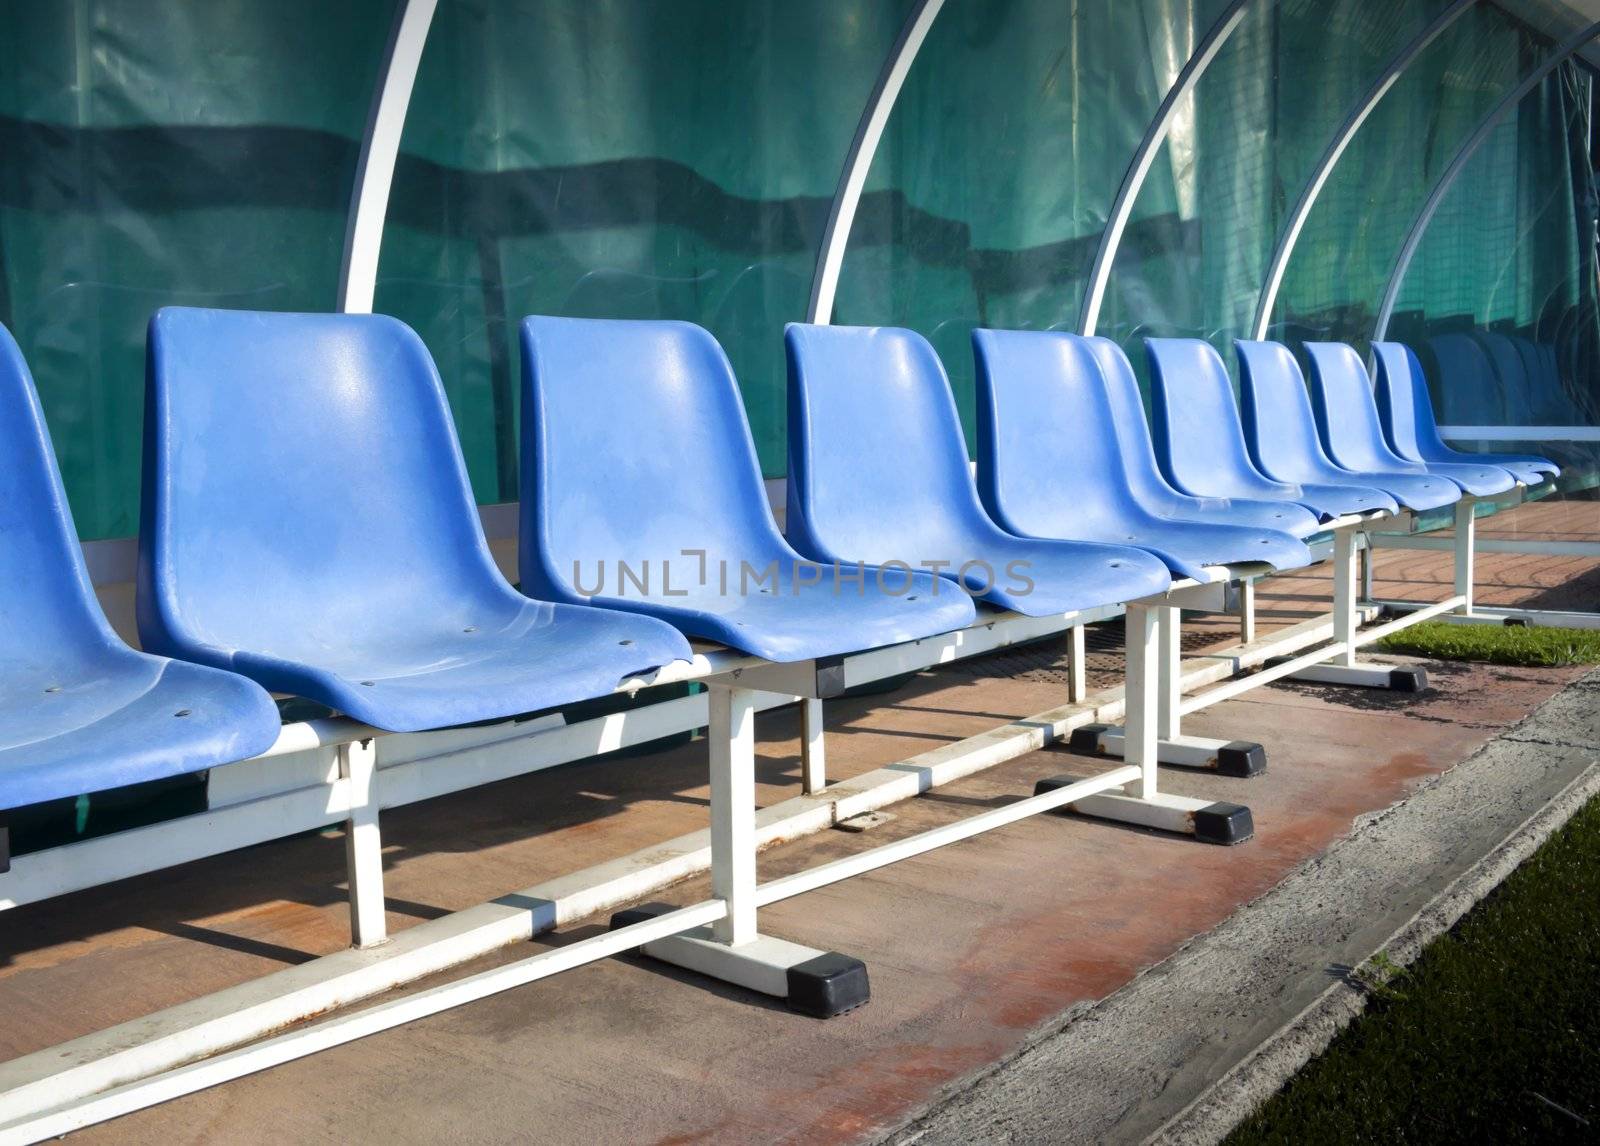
<point>1207,821</point>
<point>820,984</point>
<point>1394,677</point>
<point>1238,758</point>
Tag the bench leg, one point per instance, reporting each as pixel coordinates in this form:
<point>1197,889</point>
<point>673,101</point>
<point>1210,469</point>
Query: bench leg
<point>1247,611</point>
<point>1077,666</point>
<point>1466,529</point>
<point>1141,803</point>
<point>813,982</point>
<point>1344,667</point>
<point>1238,758</point>
<point>363,845</point>
<point>813,752</point>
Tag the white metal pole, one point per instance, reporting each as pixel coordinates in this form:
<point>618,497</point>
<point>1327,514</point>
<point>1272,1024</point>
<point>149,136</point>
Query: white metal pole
<point>363,845</point>
<point>380,147</point>
<point>1485,128</point>
<point>732,735</point>
<point>858,161</point>
<point>1169,621</point>
<point>1139,725</point>
<point>1364,107</point>
<point>1247,610</point>
<point>1466,529</point>
<point>1367,558</point>
<point>810,879</point>
<point>300,1042</point>
<point>1077,665</point>
<point>813,747</point>
<point>1094,291</point>
<point>1345,619</point>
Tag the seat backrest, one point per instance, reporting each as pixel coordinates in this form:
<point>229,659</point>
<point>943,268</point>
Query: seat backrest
<point>1404,407</point>
<point>1512,372</point>
<point>48,612</point>
<point>1347,413</point>
<point>1278,423</point>
<point>878,466</point>
<point>1196,419</point>
<point>1548,401</point>
<point>1145,482</point>
<point>302,477</point>
<point>635,448</point>
<point>1470,389</point>
<point>1049,462</point>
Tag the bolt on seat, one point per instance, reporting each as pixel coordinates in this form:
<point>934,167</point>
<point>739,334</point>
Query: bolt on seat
<point>641,491</point>
<point>1200,440</point>
<point>80,711</point>
<point>1347,419</point>
<point>1150,489</point>
<point>1282,432</point>
<point>1050,463</point>
<point>1406,413</point>
<point>878,471</point>
<point>309,524</point>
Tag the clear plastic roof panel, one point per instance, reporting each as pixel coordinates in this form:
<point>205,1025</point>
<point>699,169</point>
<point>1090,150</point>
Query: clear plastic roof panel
<point>1335,282</point>
<point>1259,120</point>
<point>1500,299</point>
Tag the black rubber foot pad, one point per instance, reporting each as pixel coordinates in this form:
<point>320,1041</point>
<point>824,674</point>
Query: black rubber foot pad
<point>1086,739</point>
<point>828,985</point>
<point>1050,784</point>
<point>1223,824</point>
<point>1408,679</point>
<point>645,911</point>
<point>1242,759</point>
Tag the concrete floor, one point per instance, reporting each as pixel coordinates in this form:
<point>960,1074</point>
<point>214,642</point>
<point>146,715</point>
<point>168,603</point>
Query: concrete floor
<point>971,949</point>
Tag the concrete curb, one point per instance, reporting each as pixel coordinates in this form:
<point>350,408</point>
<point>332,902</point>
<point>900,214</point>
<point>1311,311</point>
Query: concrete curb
<point>1214,1115</point>
<point>1193,1044</point>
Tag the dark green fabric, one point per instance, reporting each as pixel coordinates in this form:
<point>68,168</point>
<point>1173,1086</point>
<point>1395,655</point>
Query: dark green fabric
<point>166,153</point>
<point>677,159</point>
<point>1000,164</point>
<point>610,158</point>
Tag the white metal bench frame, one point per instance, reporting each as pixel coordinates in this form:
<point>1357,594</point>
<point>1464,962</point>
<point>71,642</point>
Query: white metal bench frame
<point>165,1055</point>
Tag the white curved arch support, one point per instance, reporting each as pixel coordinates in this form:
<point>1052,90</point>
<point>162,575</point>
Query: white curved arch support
<point>369,202</point>
<point>1485,128</point>
<point>1290,235</point>
<point>858,161</point>
<point>1133,179</point>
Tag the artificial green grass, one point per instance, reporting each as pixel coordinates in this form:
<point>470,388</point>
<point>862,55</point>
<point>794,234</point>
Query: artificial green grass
<point>1493,1035</point>
<point>1497,644</point>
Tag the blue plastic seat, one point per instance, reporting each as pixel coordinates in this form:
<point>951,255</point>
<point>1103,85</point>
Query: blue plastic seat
<point>1200,441</point>
<point>1050,461</point>
<point>1473,392</point>
<point>636,453</point>
<point>1347,420</point>
<point>1406,412</point>
<point>1282,432</point>
<point>1153,491</point>
<point>80,711</point>
<point>878,472</point>
<point>308,523</point>
<point>1506,360</point>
